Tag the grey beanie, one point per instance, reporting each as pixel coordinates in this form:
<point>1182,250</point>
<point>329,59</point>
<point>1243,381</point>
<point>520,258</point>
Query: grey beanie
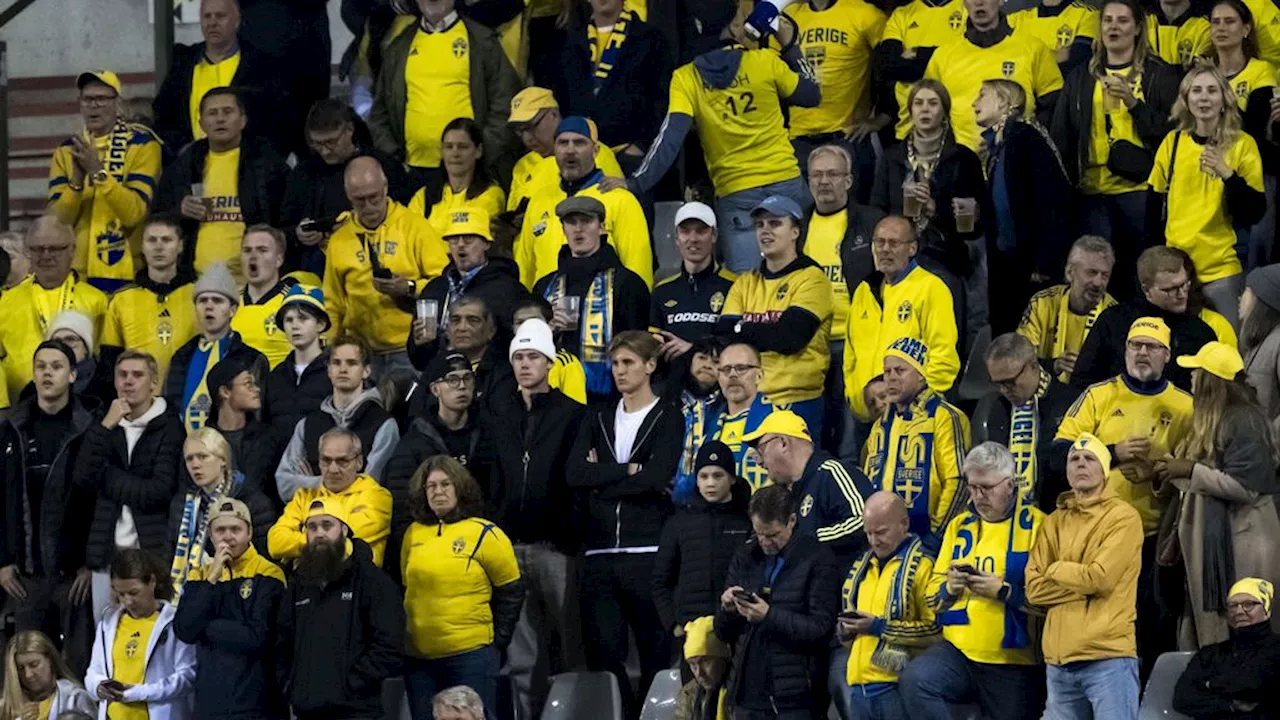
<point>217,279</point>
<point>1265,284</point>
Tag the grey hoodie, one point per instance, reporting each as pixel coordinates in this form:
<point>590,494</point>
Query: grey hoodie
<point>293,473</point>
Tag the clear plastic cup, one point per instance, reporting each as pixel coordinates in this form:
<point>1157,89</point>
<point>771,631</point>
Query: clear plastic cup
<point>428,311</point>
<point>571,306</point>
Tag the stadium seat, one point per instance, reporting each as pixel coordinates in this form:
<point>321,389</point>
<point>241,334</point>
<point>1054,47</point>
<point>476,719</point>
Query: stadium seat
<point>990,420</point>
<point>395,702</point>
<point>661,701</point>
<point>1157,699</point>
<point>664,239</point>
<point>975,382</point>
<point>578,695</point>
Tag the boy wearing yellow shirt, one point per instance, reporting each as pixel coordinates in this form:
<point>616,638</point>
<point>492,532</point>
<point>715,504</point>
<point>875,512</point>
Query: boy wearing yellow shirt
<point>1177,33</point>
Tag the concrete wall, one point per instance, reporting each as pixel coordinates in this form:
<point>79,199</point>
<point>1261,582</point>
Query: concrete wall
<point>63,37</point>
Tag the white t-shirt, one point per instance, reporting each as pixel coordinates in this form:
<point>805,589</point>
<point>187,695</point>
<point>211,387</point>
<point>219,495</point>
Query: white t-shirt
<point>626,425</point>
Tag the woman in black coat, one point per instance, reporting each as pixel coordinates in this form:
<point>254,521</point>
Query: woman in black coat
<point>1028,204</point>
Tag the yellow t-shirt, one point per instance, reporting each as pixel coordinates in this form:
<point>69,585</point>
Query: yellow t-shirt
<point>129,662</point>
<point>139,319</point>
<point>1113,412</point>
<point>206,76</point>
<point>492,200</point>
<point>1197,221</point>
<point>1057,27</point>
<point>257,327</point>
<point>921,25</point>
<point>45,706</point>
<point>438,79</point>
<point>1257,74</point>
<point>1179,44</point>
<point>220,235</point>
<point>741,127</point>
<point>837,43</point>
<point>822,245</point>
<point>1266,23</point>
<point>756,297</point>
<point>1109,127</point>
<point>963,67</point>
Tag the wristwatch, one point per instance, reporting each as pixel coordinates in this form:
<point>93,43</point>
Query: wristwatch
<point>100,176</point>
<point>1003,593</point>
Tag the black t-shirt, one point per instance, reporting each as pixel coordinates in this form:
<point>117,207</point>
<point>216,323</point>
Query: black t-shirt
<point>48,432</point>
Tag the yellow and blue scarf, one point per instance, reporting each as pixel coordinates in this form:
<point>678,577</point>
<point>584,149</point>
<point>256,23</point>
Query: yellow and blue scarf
<point>909,483</point>
<point>606,58</point>
<point>595,329</point>
<point>196,402</point>
<point>1024,438</point>
<point>1060,330</point>
<point>110,238</point>
<point>888,655</point>
<point>193,529</point>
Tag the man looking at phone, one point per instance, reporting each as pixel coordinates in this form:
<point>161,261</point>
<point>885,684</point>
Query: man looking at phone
<point>977,590</point>
<point>228,613</point>
<point>884,634</point>
<point>776,653</point>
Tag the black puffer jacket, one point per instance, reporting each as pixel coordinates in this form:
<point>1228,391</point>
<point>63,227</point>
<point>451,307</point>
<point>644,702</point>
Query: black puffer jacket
<point>289,398</point>
<point>1102,355</point>
<point>497,283</point>
<point>146,482</point>
<point>627,510</point>
<point>775,661</point>
<point>175,383</point>
<point>693,558</point>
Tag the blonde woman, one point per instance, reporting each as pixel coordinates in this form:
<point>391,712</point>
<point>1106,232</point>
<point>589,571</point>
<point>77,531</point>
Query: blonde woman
<point>1227,526</point>
<point>38,684</point>
<point>207,457</point>
<point>1209,174</point>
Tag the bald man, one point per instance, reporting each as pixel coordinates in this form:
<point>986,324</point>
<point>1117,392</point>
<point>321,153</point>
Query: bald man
<point>380,258</point>
<point>878,636</point>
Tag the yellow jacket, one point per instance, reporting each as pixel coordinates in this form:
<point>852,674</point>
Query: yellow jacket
<point>405,244</point>
<point>108,217</point>
<point>878,656</point>
<point>368,504</point>
<point>533,173</point>
<point>537,248</point>
<point>1084,570</point>
<point>27,309</point>
<point>917,306</point>
<point>449,573</point>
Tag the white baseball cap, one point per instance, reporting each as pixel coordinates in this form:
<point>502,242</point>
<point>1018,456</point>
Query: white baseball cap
<point>696,211</point>
<point>533,334</point>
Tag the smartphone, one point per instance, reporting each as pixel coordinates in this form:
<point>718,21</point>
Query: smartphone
<point>745,596</point>
<point>115,685</point>
<point>322,225</point>
<point>966,569</point>
<point>850,615</point>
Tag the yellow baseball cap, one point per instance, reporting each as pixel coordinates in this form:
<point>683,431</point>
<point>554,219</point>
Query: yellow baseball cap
<point>1150,327</point>
<point>106,77</point>
<point>700,639</point>
<point>331,506</point>
<point>780,422</point>
<point>530,101</point>
<point>1215,358</point>
<point>468,221</point>
<point>1091,444</point>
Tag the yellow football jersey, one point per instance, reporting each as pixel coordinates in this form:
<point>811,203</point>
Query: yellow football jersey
<point>837,43</point>
<point>921,25</point>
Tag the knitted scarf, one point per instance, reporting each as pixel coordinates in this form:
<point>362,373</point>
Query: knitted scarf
<point>910,478</point>
<point>595,328</point>
<point>1024,438</point>
<point>1060,331</point>
<point>611,52</point>
<point>109,237</point>
<point>193,529</point>
<point>888,655</point>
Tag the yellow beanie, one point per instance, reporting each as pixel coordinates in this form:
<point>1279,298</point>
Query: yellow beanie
<point>700,639</point>
<point>1255,588</point>
<point>911,350</point>
<point>1089,443</point>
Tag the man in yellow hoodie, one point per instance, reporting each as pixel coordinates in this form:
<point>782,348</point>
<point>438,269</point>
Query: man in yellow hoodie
<point>1084,570</point>
<point>366,503</point>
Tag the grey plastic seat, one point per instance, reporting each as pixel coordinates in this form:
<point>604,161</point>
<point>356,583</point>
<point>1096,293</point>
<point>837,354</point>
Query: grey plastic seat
<point>664,239</point>
<point>975,382</point>
<point>580,695</point>
<point>661,701</point>
<point>1157,699</point>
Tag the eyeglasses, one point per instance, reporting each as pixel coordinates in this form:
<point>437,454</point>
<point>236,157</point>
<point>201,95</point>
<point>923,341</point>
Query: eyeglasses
<point>736,370</point>
<point>97,100</point>
<point>887,243</point>
<point>831,175</point>
<point>40,250</point>
<point>1010,383</point>
<point>1182,289</point>
<point>337,461</point>
<point>986,491</point>
<point>329,144</point>
<point>1245,605</point>
<point>760,446</point>
<point>1147,347</point>
<point>457,382</point>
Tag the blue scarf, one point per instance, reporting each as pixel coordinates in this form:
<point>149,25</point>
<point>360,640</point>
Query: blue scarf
<point>911,483</point>
<point>611,53</point>
<point>196,402</point>
<point>193,530</point>
<point>887,655</point>
<point>457,288</point>
<point>595,328</point>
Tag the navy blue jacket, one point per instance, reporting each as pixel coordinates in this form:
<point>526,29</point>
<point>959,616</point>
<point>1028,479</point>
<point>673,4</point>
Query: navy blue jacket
<point>829,497</point>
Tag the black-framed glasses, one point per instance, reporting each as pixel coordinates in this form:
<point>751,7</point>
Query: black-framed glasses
<point>459,381</point>
<point>1245,605</point>
<point>736,370</point>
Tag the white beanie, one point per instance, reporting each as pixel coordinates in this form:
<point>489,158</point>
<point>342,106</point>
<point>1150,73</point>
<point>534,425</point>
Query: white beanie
<point>217,279</point>
<point>76,322</point>
<point>534,334</point>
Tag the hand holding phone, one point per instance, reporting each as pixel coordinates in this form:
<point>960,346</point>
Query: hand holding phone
<point>745,596</point>
<point>966,568</point>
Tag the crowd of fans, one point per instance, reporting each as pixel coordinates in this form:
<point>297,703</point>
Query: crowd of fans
<point>962,398</point>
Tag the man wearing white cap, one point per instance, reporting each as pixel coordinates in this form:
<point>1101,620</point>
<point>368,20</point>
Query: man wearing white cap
<point>686,306</point>
<point>533,429</point>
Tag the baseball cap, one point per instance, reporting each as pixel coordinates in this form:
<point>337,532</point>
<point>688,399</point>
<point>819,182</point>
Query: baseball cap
<point>106,77</point>
<point>230,507</point>
<point>779,206</point>
<point>1091,444</point>
<point>534,334</point>
<point>580,205</point>
<point>331,506</point>
<point>442,365</point>
<point>468,221</point>
<point>577,124</point>
<point>308,296</point>
<point>1215,358</point>
<point>530,101</point>
<point>780,422</point>
<point>696,211</point>
<point>1150,327</point>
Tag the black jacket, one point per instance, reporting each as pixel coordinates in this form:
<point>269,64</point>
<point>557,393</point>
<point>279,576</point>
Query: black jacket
<point>289,398</point>
<point>775,661</point>
<point>64,511</point>
<point>688,304</point>
<point>958,175</point>
<point>693,557</point>
<point>630,104</point>
<point>497,284</point>
<point>262,179</point>
<point>1244,668</point>
<point>626,511</point>
<point>528,491</point>
<point>261,512</point>
<point>255,452</point>
<point>992,421</point>
<point>254,78</point>
<point>145,481</point>
<point>1072,128</point>
<point>175,383</point>
<point>1102,355</point>
<point>335,645</point>
<point>232,623</point>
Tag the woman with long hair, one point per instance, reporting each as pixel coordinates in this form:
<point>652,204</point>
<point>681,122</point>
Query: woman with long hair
<point>1028,203</point>
<point>1208,178</point>
<point>1110,118</point>
<point>463,591</point>
<point>38,685</point>
<point>1225,469</point>
<point>1260,337</point>
<point>468,180</point>
<point>140,670</point>
<point>1253,80</point>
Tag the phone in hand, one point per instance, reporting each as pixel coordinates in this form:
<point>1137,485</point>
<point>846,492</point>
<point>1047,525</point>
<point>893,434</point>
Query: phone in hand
<point>850,615</point>
<point>745,596</point>
<point>382,273</point>
<point>322,225</point>
<point>114,685</point>
<point>966,568</point>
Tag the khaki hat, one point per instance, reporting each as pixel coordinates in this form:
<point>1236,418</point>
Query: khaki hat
<point>231,507</point>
